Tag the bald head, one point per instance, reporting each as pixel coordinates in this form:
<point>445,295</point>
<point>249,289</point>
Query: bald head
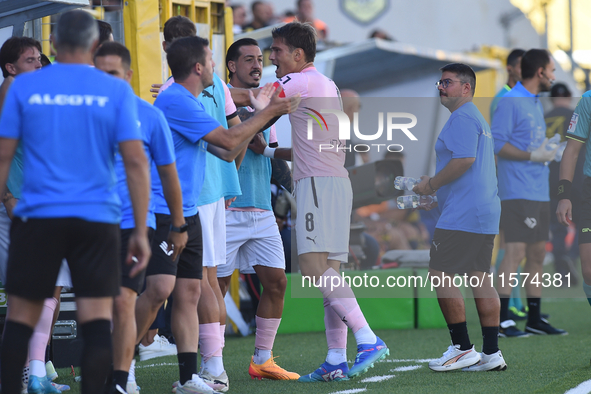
<point>351,102</point>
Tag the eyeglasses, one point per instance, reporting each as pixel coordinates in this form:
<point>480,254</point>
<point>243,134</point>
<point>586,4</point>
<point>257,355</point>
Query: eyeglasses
<point>445,83</point>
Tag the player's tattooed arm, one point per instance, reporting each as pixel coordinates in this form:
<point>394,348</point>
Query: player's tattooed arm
<point>244,114</point>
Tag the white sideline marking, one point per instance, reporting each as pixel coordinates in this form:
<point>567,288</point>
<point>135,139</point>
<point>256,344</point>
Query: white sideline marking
<point>407,368</point>
<point>156,365</point>
<point>374,379</point>
<point>418,360</point>
<point>583,388</point>
<point>352,391</point>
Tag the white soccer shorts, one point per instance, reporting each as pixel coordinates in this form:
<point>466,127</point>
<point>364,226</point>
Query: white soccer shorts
<point>323,216</point>
<point>252,238</point>
<point>213,228</point>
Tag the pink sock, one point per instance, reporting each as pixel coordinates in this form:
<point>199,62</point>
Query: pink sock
<point>341,299</point>
<point>266,331</point>
<point>209,340</point>
<point>336,330</point>
<point>38,342</point>
<point>223,340</point>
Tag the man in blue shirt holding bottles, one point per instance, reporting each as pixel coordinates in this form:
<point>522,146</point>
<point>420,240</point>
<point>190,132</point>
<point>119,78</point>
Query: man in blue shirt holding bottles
<point>464,236</point>
<point>70,119</point>
<point>519,131</point>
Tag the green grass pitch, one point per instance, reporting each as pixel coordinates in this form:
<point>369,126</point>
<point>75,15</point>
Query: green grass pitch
<point>538,364</point>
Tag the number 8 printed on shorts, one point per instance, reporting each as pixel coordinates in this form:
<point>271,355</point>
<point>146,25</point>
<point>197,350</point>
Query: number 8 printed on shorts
<point>309,222</point>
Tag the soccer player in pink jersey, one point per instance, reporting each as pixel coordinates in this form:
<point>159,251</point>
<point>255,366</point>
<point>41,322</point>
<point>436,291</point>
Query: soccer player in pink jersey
<point>323,197</point>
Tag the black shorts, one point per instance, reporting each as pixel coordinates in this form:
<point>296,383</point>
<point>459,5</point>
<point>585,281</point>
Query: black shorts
<point>137,282</point>
<point>38,247</point>
<point>525,221</point>
<point>461,252</point>
<point>584,214</point>
<point>190,263</point>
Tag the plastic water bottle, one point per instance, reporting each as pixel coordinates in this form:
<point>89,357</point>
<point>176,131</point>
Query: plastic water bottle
<point>553,142</point>
<point>405,183</point>
<point>415,201</point>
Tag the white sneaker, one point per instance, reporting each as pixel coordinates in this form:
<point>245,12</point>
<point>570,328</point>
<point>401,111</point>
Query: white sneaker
<point>219,383</point>
<point>194,386</point>
<point>454,358</point>
<point>489,362</point>
<point>132,387</point>
<point>160,347</point>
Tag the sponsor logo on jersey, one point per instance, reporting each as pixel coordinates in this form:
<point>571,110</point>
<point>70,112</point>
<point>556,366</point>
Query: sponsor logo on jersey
<point>573,123</point>
<point>74,100</point>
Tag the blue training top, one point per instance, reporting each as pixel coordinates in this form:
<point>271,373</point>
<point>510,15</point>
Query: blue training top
<point>159,151</point>
<point>469,203</point>
<point>189,123</point>
<point>519,120</point>
<point>69,118</point>
<point>221,177</point>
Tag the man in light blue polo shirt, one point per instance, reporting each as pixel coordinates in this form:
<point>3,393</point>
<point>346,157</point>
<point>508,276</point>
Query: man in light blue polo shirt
<point>519,131</point>
<point>464,236</point>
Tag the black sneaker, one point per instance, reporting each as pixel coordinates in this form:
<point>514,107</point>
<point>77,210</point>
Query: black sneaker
<point>544,316</point>
<point>509,329</point>
<point>543,328</point>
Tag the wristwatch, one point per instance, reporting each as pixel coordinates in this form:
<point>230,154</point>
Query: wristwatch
<point>181,229</point>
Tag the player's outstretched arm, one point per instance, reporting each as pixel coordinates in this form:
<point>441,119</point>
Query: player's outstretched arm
<point>236,154</point>
<point>138,183</point>
<point>171,188</point>
<point>227,155</point>
<point>232,138</point>
<point>567,172</point>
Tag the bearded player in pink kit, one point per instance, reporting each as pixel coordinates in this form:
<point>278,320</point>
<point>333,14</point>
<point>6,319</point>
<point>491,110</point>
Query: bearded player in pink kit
<point>323,197</point>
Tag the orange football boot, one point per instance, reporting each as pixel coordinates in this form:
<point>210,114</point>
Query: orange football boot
<point>270,370</point>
